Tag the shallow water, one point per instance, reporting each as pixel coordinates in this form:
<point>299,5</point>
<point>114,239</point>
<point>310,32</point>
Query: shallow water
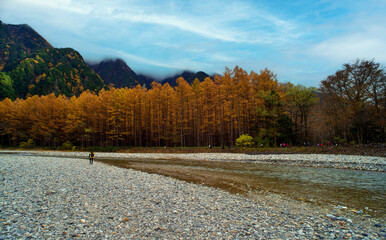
<point>350,188</point>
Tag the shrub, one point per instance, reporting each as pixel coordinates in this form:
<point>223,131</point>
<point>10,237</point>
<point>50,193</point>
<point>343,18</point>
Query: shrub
<point>338,140</point>
<point>244,141</point>
<point>67,145</point>
<point>28,144</point>
<point>265,141</point>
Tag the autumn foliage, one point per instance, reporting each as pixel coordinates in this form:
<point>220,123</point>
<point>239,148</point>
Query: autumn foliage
<point>212,112</point>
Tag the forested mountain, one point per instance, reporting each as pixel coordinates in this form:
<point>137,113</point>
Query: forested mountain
<point>147,80</point>
<point>17,42</point>
<point>172,81</point>
<point>117,72</point>
<point>120,75</point>
<point>31,66</point>
<point>53,70</point>
<point>187,75</point>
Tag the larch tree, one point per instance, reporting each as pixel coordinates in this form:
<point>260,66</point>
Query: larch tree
<point>184,94</point>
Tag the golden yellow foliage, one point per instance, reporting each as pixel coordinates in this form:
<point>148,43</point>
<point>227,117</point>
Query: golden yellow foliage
<point>213,112</point>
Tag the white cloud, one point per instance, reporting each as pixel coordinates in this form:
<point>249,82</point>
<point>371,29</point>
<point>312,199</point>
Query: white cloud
<point>147,61</point>
<point>222,58</point>
<point>364,45</point>
<point>301,42</point>
<point>63,5</point>
<point>214,20</point>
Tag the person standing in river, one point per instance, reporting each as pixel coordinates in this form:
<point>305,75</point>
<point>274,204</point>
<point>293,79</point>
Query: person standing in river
<point>91,157</point>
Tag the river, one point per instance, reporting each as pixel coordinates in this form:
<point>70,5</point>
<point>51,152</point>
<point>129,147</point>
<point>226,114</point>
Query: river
<point>361,190</point>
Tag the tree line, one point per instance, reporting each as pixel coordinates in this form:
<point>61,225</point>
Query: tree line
<point>213,112</point>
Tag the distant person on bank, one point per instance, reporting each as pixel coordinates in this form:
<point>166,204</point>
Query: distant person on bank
<point>91,157</point>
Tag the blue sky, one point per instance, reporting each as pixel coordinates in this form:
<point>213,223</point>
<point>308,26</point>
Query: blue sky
<point>302,41</point>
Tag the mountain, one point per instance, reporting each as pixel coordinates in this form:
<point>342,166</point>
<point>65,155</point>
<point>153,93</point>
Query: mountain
<point>147,80</point>
<point>33,67</point>
<point>117,73</point>
<point>29,65</point>
<point>17,42</point>
<point>53,70</point>
<point>200,75</point>
<point>187,75</point>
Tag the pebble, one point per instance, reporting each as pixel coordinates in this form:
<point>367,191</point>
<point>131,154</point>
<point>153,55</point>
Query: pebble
<point>45,197</point>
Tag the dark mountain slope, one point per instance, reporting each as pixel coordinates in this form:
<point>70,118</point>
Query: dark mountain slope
<point>187,75</point>
<point>116,72</point>
<point>147,80</point>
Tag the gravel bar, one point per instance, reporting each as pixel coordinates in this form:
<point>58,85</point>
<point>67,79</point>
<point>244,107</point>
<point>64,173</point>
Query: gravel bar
<point>367,163</point>
<point>46,197</point>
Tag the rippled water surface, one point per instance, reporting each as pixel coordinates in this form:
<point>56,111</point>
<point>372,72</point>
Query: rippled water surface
<point>351,188</point>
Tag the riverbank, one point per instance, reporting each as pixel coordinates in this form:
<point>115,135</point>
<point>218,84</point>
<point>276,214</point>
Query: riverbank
<point>376,150</point>
<point>367,163</point>
<point>60,197</point>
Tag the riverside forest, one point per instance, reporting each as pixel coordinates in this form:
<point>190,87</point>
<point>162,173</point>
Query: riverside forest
<point>349,106</point>
<point>51,97</point>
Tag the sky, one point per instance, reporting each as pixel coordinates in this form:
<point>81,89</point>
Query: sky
<point>302,41</point>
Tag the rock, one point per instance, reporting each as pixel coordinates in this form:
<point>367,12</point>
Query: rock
<point>377,225</point>
<point>333,217</point>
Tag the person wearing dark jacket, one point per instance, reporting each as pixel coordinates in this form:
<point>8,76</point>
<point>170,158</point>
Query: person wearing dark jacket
<point>91,157</point>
